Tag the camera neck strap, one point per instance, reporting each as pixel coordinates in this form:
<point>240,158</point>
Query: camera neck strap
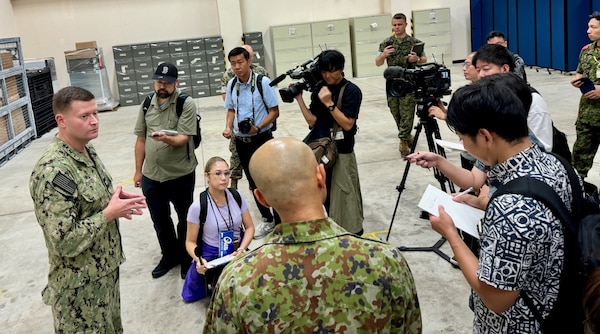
<point>336,126</point>
<point>252,86</point>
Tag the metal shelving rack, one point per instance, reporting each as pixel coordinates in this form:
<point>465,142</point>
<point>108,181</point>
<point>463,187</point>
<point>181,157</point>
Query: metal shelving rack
<point>17,126</point>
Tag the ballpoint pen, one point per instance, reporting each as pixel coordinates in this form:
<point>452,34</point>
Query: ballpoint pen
<point>466,191</point>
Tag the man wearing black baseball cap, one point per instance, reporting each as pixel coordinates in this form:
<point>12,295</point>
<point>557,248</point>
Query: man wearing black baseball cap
<point>166,72</point>
<point>165,165</point>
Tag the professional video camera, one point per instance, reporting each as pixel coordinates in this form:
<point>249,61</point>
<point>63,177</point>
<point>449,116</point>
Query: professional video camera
<point>310,79</point>
<point>429,82</point>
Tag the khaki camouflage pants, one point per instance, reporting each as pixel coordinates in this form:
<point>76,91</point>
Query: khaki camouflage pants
<point>585,147</point>
<point>235,166</point>
<point>403,110</point>
<point>92,308</point>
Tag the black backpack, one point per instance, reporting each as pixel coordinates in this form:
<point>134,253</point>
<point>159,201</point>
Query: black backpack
<point>560,145</point>
<point>179,109</point>
<point>260,91</point>
<point>582,246</point>
<point>203,213</point>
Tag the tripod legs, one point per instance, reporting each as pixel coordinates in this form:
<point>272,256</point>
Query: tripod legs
<point>431,130</point>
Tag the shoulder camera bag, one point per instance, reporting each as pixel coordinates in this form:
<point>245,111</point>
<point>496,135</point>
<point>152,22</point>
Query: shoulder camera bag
<point>325,148</point>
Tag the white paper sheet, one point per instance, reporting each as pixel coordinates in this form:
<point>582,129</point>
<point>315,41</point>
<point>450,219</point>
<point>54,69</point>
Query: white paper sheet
<point>219,261</point>
<point>465,217</point>
<point>450,145</point>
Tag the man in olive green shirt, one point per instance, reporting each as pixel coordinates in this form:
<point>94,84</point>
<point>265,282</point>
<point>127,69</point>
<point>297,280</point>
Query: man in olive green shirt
<point>165,166</point>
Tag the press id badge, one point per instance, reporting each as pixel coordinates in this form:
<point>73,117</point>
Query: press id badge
<point>225,243</point>
<point>339,135</point>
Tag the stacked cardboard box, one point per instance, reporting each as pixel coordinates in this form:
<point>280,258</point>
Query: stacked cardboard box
<point>6,60</point>
<point>3,130</point>
<point>11,82</point>
<point>82,50</point>
<point>19,124</point>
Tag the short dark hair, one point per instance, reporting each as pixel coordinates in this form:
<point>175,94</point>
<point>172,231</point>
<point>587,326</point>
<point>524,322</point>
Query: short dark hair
<point>595,15</point>
<point>488,104</point>
<point>238,51</point>
<point>62,99</point>
<point>399,16</point>
<point>331,60</point>
<point>517,84</point>
<point>495,33</point>
<point>495,54</point>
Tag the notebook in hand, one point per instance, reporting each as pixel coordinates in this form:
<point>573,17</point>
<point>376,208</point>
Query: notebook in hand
<point>587,85</point>
<point>418,48</point>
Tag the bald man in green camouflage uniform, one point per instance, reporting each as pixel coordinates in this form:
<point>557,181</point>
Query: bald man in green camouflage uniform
<point>588,118</point>
<point>310,275</point>
<point>234,161</point>
<point>78,210</point>
<point>397,51</point>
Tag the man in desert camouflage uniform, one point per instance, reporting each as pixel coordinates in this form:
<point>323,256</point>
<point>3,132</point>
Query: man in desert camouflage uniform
<point>310,275</point>
<point>588,118</point>
<point>78,211</point>
<point>397,51</point>
<point>235,166</point>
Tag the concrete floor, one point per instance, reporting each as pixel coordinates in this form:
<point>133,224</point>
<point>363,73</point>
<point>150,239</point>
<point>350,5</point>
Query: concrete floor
<point>155,305</point>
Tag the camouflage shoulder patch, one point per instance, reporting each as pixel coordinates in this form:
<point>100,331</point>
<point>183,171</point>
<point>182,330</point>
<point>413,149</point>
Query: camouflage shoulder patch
<point>62,182</point>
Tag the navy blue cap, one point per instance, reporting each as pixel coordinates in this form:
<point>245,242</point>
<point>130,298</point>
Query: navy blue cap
<point>166,72</point>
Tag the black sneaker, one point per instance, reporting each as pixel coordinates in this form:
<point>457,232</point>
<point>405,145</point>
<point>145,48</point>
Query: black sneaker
<point>162,268</point>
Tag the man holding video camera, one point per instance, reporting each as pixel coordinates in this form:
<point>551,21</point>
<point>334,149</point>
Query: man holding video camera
<point>334,105</point>
<point>398,51</point>
<point>249,121</point>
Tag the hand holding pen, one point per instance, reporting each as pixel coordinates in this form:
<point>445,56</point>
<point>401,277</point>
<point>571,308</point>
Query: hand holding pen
<point>424,159</point>
<point>478,201</point>
<point>466,191</point>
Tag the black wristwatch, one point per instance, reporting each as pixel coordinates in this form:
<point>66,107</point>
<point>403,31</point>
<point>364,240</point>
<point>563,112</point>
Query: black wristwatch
<point>331,108</point>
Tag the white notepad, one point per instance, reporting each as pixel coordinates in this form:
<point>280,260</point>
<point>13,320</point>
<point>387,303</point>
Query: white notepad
<point>465,217</point>
<point>450,145</point>
<point>219,261</point>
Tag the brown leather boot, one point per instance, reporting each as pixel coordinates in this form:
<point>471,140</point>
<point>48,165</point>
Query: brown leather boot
<point>233,184</point>
<point>404,148</point>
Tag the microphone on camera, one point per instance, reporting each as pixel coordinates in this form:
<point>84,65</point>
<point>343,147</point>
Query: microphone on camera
<point>278,80</point>
<point>393,72</point>
<point>307,62</point>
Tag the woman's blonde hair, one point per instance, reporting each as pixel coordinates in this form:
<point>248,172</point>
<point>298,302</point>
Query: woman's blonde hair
<point>213,161</point>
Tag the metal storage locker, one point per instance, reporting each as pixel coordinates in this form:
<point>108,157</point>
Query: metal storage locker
<point>17,126</point>
<point>366,34</point>
<point>432,27</point>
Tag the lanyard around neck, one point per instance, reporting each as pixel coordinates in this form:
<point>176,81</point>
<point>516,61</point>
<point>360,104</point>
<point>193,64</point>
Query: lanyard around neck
<point>215,207</point>
<point>252,85</point>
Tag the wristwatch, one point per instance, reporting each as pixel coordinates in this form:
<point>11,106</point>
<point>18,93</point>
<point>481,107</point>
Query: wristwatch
<point>331,108</point>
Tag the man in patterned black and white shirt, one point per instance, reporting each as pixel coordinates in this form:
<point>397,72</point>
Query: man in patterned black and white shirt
<point>522,242</point>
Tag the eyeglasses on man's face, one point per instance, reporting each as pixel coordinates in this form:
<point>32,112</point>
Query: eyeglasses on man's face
<point>467,64</point>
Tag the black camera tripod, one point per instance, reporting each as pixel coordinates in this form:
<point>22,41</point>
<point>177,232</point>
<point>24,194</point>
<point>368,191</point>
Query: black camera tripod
<point>431,130</point>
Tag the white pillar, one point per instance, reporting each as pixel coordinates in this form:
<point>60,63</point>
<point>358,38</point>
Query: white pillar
<point>404,7</point>
<point>230,23</point>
